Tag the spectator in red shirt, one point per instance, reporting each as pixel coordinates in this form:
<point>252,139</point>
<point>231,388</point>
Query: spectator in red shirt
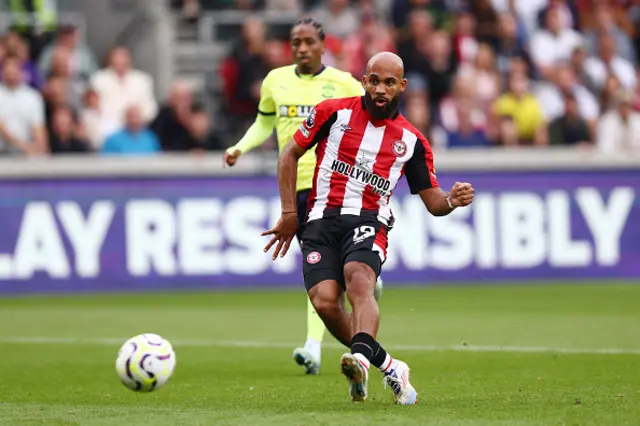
<point>372,37</point>
<point>244,69</point>
<point>464,41</point>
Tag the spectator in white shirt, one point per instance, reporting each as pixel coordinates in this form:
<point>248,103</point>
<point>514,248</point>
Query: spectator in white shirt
<point>21,113</point>
<point>553,44</point>
<point>97,126</point>
<point>338,18</point>
<point>609,62</point>
<point>526,10</point>
<point>551,96</point>
<point>619,128</point>
<point>81,61</point>
<point>605,23</point>
<point>60,67</point>
<point>118,86</point>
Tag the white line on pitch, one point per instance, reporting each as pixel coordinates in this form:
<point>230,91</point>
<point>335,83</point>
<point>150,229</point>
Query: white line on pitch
<point>284,345</point>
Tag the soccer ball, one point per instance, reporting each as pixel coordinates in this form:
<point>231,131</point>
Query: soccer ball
<point>145,362</point>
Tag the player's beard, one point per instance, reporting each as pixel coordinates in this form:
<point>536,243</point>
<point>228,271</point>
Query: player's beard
<point>380,113</point>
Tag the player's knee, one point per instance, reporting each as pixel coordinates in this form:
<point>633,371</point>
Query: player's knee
<point>324,298</point>
<point>324,307</point>
<point>361,281</point>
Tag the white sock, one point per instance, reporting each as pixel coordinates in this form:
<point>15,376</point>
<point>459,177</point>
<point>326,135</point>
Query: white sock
<point>313,347</point>
<point>386,365</point>
<point>363,360</point>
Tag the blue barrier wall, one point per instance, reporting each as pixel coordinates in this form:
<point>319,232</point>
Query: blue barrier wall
<point>65,235</point>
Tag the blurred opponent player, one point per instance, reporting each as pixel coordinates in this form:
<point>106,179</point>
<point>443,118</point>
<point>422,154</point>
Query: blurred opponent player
<point>287,96</point>
<point>364,146</point>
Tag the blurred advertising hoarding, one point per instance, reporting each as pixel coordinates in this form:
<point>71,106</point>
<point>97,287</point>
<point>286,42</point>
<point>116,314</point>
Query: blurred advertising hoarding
<point>160,233</point>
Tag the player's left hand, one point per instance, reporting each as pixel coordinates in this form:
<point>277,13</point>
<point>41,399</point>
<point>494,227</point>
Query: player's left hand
<point>461,194</point>
<point>231,156</point>
<point>283,234</point>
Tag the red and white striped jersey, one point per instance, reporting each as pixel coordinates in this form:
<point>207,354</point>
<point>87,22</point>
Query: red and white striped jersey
<point>360,160</point>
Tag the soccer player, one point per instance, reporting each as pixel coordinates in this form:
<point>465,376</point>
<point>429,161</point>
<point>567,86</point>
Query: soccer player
<point>287,96</point>
<point>364,146</point>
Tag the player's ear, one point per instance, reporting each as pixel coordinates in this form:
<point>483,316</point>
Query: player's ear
<point>364,81</point>
<point>403,85</point>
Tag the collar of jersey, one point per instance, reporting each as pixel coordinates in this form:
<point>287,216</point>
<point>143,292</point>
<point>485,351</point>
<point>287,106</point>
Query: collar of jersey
<point>364,107</point>
<point>313,75</point>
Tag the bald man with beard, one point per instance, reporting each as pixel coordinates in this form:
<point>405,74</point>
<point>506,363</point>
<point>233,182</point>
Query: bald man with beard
<point>364,147</point>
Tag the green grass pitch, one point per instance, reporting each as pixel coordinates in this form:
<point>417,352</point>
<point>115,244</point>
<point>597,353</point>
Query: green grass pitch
<point>491,355</point>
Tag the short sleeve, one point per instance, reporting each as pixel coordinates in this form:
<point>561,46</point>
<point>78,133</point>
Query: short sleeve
<point>419,169</point>
<point>317,125</point>
<point>266,105</point>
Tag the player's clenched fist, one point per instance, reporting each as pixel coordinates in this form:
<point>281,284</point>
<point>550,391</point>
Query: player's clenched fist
<point>231,155</point>
<point>282,233</point>
<point>461,194</point>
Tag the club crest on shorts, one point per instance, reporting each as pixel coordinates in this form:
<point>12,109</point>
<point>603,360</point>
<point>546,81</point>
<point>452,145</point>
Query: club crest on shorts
<point>313,257</point>
<point>311,120</point>
<point>399,148</point>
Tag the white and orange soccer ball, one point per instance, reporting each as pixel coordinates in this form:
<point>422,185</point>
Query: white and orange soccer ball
<point>145,362</point>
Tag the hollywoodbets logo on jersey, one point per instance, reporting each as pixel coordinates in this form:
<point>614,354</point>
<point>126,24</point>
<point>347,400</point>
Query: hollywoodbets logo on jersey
<point>379,185</point>
<point>295,111</point>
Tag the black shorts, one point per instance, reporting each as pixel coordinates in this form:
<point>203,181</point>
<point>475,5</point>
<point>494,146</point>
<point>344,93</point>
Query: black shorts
<point>330,243</point>
<point>301,200</point>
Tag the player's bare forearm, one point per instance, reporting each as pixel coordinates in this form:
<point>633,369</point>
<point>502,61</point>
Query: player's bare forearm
<point>287,175</point>
<point>287,225</point>
<point>441,203</point>
<point>435,200</point>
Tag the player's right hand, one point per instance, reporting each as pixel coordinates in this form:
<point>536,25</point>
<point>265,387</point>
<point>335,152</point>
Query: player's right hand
<point>283,234</point>
<point>462,194</point>
<point>231,155</point>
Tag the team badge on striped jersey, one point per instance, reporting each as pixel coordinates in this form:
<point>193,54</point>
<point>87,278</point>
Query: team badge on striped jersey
<point>399,148</point>
<point>313,257</point>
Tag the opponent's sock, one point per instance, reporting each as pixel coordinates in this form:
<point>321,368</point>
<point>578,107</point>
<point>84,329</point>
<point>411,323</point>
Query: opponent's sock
<point>313,347</point>
<point>365,345</point>
<point>315,331</point>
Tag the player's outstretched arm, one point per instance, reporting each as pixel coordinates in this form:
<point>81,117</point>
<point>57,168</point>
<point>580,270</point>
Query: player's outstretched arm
<point>286,227</point>
<point>315,129</point>
<point>257,134</point>
<point>441,203</point>
<point>261,129</point>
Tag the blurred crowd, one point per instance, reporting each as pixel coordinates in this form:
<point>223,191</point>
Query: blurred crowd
<point>481,72</point>
<point>54,98</point>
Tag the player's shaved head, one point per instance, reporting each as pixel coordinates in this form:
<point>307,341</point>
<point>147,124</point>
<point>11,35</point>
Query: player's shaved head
<point>387,61</point>
<point>384,83</point>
